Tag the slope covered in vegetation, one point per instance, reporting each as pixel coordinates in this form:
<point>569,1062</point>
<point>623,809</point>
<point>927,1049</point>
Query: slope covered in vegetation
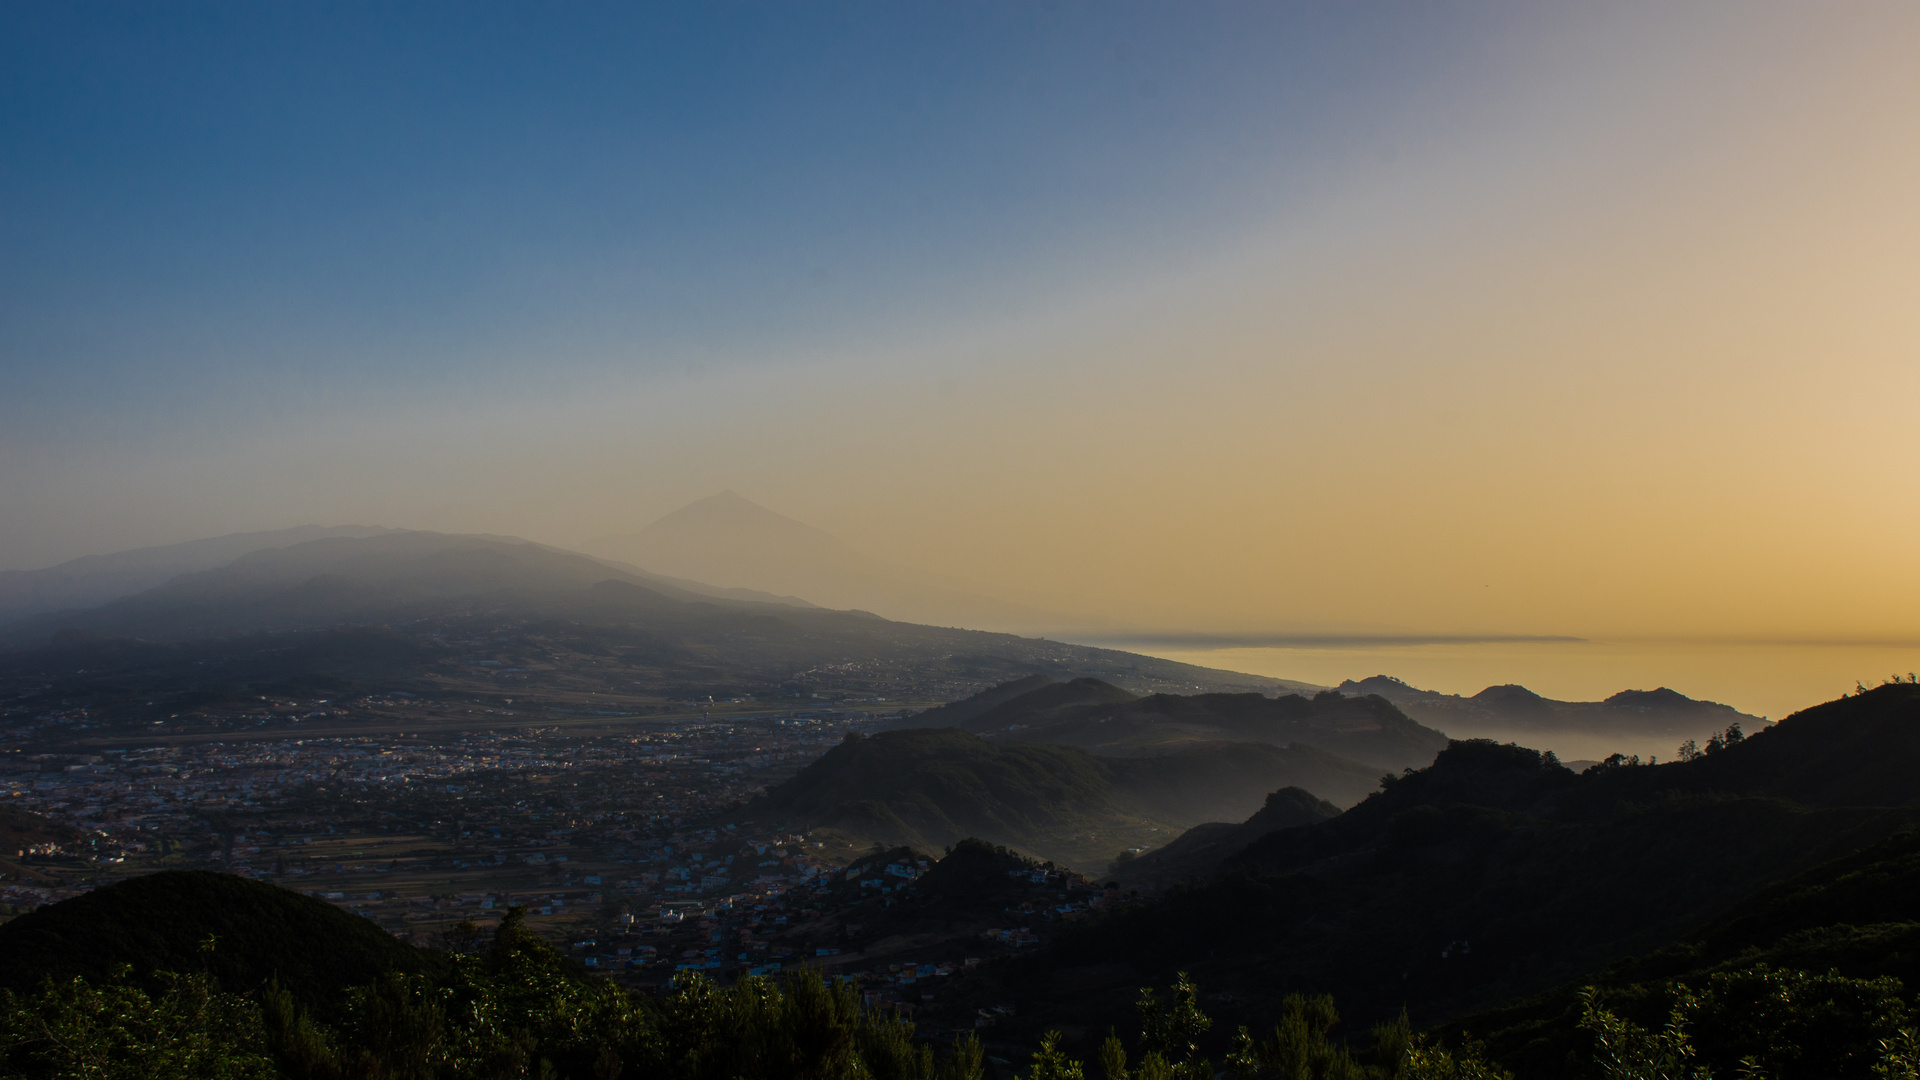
<point>930,788</point>
<point>1497,872</point>
<point>241,932</point>
<point>1105,719</point>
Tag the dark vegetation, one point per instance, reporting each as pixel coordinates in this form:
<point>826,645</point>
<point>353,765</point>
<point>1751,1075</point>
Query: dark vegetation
<point>1855,921</point>
<point>1105,719</point>
<point>942,914</point>
<point>1198,853</point>
<point>1498,873</point>
<point>1745,910</point>
<point>1751,912</point>
<point>239,932</point>
<point>517,1009</point>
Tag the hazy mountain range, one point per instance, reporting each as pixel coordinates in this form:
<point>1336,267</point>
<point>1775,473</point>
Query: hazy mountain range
<point>418,611</point>
<point>728,540</point>
<point>92,580</point>
<point>1770,879</point>
<point>392,575</point>
<point>748,560</point>
<point>933,787</point>
<point>1496,872</point>
<point>1105,719</point>
<point>1661,717</point>
<point>721,546</point>
<point>1198,853</point>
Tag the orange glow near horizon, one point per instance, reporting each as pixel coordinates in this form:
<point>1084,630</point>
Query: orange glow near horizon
<point>1618,339</point>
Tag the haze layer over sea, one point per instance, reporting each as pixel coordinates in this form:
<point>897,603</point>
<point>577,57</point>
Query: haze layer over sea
<point>1770,679</point>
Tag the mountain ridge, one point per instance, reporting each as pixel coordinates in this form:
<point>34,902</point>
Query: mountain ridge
<point>1497,872</point>
<point>91,580</point>
<point>928,787</point>
<point>1199,852</point>
<point>1105,719</point>
<point>1640,721</point>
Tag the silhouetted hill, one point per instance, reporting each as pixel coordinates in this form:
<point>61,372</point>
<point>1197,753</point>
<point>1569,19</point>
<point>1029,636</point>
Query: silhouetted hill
<point>1856,751</point>
<point>159,922</point>
<point>1200,851</point>
<point>956,713</point>
<point>974,871</point>
<point>974,880</point>
<point>1858,916</point>
<point>1496,871</point>
<point>1044,706</point>
<point>1630,721</point>
<point>928,788</point>
<point>1097,716</point>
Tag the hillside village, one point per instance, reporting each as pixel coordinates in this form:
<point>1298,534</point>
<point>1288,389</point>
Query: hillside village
<point>612,846</point>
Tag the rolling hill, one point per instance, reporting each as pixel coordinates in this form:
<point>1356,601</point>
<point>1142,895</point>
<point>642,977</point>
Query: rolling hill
<point>1105,719</point>
<point>1631,721</point>
<point>159,923</point>
<point>1857,917</point>
<point>1496,872</point>
<point>1198,853</point>
<point>932,787</point>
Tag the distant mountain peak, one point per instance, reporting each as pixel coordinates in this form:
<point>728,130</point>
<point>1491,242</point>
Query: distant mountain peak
<point>1658,698</point>
<point>1512,693</point>
<point>1386,686</point>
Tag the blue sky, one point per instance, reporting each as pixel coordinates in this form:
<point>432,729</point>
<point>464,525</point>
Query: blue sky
<point>1223,318</point>
<point>207,200</point>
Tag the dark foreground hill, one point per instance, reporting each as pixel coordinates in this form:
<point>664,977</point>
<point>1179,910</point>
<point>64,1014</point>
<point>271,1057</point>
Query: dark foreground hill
<point>516,1009</point>
<point>1629,721</point>
<point>1105,719</point>
<point>930,788</point>
<point>162,922</point>
<point>1497,872</point>
<point>1857,917</point>
<point>1198,853</point>
<point>973,887</point>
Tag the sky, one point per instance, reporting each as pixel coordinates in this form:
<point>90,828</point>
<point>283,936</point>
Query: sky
<point>1243,320</point>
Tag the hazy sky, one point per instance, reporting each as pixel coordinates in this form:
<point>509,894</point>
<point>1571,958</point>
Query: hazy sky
<point>1445,318</point>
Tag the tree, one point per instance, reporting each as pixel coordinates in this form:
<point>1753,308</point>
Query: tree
<point>1050,1063</point>
<point>1173,1029</point>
